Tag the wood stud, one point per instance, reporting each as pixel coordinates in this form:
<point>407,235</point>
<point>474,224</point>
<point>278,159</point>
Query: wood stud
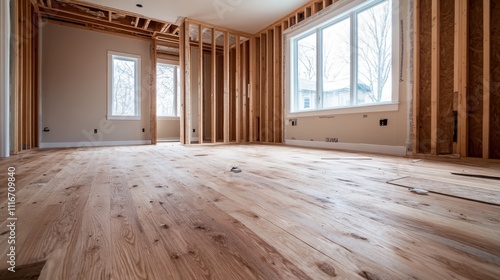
<point>213,89</point>
<point>200,84</point>
<point>226,126</point>
<point>154,119</point>
<point>416,76</point>
<point>238,89</point>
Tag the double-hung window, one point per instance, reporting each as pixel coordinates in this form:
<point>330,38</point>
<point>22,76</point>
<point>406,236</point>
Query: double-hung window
<point>124,82</point>
<point>344,59</point>
<point>167,90</point>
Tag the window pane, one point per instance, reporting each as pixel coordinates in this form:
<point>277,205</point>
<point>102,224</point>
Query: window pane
<point>124,87</point>
<point>178,70</point>
<point>165,90</point>
<point>374,54</point>
<point>337,64</point>
<point>306,72</point>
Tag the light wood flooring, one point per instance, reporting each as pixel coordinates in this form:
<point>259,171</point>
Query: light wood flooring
<point>176,212</point>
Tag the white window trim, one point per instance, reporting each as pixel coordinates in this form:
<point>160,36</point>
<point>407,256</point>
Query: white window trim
<point>110,116</point>
<point>174,63</point>
<point>322,19</point>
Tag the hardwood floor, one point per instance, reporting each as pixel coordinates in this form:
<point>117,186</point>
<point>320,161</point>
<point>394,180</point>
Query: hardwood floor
<point>177,212</point>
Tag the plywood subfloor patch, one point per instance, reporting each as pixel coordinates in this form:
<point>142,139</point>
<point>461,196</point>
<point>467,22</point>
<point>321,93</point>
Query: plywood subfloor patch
<point>477,194</point>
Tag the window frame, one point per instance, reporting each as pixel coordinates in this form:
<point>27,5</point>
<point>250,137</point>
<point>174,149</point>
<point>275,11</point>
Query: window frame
<point>316,24</point>
<point>137,102</point>
<point>177,94</point>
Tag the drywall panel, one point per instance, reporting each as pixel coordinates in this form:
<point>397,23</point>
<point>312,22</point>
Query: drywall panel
<point>424,129</point>
<point>495,81</point>
<point>168,129</point>
<point>446,68</point>
<point>74,87</point>
<point>475,82</point>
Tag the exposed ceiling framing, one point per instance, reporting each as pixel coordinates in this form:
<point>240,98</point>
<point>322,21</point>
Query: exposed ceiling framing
<point>103,18</point>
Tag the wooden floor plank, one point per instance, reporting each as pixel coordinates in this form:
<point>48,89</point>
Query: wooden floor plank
<point>177,212</point>
<point>457,190</point>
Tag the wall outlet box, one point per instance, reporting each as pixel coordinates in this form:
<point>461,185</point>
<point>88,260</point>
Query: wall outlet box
<point>383,122</point>
<point>293,122</point>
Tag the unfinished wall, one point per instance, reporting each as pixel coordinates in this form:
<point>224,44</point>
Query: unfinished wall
<point>214,77</point>
<point>463,86</point>
<point>475,82</point>
<point>268,98</point>
<point>74,88</point>
<point>446,68</point>
<point>424,73</point>
<point>495,81</point>
<point>25,57</point>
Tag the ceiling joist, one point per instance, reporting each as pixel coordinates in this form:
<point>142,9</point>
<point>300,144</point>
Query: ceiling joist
<point>108,19</point>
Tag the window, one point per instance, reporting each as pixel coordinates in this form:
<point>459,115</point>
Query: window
<point>344,59</point>
<point>307,102</point>
<point>167,90</point>
<point>124,86</point>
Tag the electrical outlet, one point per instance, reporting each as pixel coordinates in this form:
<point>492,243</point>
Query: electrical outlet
<point>331,139</point>
<point>194,130</point>
<point>383,122</point>
<point>143,130</point>
<point>95,130</point>
<point>293,122</point>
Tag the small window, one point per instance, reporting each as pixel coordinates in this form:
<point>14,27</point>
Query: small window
<point>124,86</point>
<point>167,90</point>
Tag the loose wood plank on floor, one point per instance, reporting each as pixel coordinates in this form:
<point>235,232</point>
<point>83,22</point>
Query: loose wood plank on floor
<point>456,190</point>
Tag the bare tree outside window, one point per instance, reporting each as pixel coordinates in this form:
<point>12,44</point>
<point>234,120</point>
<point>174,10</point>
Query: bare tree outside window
<point>167,90</point>
<point>374,52</point>
<point>307,63</point>
<point>124,87</point>
<point>337,64</point>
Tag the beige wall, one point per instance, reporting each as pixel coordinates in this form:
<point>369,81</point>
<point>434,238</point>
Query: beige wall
<point>168,129</point>
<point>354,129</point>
<point>74,87</point>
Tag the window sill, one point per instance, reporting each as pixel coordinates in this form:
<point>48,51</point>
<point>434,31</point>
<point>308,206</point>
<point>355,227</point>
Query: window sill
<point>124,118</point>
<point>386,107</point>
<point>164,118</point>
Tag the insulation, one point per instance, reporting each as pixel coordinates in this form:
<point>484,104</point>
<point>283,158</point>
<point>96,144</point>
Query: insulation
<point>495,81</point>
<point>445,110</point>
<point>424,129</point>
<point>475,81</point>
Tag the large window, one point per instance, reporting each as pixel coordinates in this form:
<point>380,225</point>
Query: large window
<point>344,59</point>
<point>124,86</point>
<point>167,90</point>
